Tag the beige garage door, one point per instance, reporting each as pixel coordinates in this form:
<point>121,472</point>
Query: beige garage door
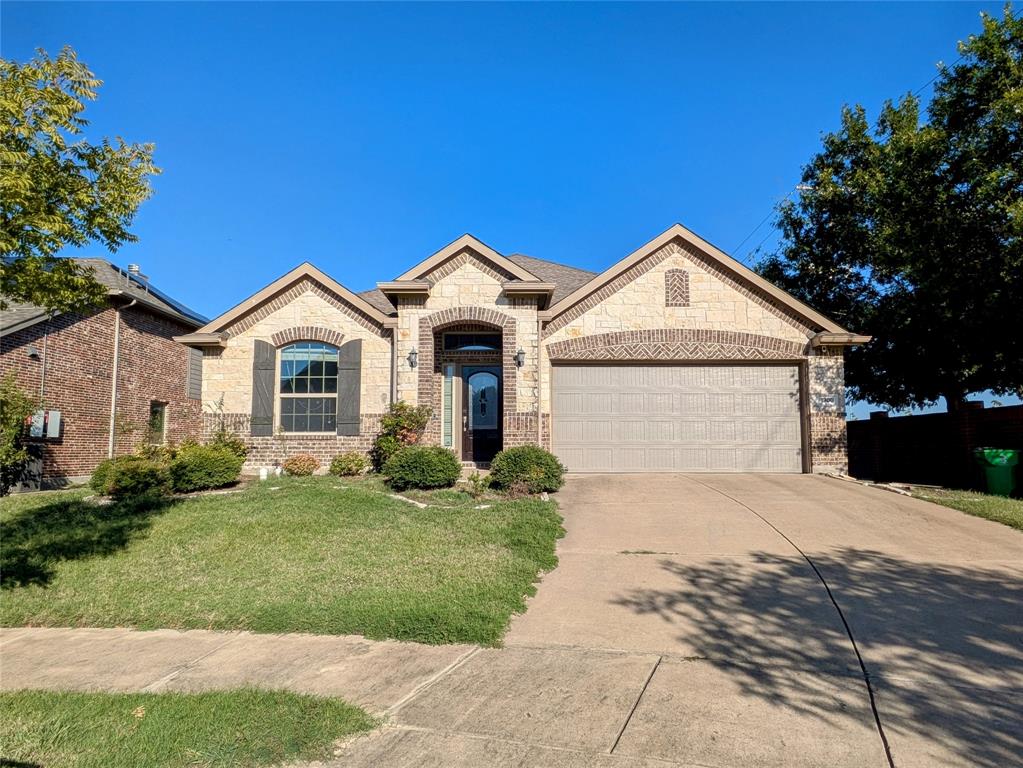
<point>684,418</point>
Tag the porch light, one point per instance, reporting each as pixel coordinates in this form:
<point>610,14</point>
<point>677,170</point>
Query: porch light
<point>520,358</point>
<point>413,358</point>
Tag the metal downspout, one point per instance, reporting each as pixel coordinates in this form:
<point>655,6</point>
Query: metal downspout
<point>113,384</point>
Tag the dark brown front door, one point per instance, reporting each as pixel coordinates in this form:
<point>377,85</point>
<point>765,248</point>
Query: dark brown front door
<point>481,412</point>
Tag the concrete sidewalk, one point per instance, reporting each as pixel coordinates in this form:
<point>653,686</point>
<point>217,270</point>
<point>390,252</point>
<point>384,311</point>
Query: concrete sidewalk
<point>376,675</point>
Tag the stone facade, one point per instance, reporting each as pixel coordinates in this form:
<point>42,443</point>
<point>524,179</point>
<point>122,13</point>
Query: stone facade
<point>677,304</point>
<point>78,354</point>
<point>306,313</point>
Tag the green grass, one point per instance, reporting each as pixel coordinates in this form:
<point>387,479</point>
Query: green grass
<point>318,554</point>
<point>998,508</point>
<point>118,730</point>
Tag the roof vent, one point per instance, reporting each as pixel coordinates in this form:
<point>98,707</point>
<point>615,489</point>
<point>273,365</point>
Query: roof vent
<point>134,269</point>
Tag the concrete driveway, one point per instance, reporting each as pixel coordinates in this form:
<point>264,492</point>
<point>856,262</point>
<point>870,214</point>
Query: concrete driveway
<point>718,620</point>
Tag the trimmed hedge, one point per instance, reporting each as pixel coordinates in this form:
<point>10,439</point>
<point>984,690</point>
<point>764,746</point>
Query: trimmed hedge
<point>528,466</point>
<point>348,464</point>
<point>422,466</point>
<point>301,464</point>
<point>130,476</point>
<point>200,467</point>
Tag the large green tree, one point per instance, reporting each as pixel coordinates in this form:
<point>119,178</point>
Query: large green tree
<point>910,230</point>
<point>56,188</point>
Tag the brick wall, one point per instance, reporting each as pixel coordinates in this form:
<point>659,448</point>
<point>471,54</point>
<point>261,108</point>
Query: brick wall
<point>78,376</point>
<point>268,451</point>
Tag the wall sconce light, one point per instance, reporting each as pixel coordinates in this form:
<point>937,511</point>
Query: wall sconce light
<point>520,358</point>
<point>33,352</point>
<point>413,358</point>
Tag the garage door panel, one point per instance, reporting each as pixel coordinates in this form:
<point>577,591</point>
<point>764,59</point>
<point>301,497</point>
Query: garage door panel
<point>719,418</point>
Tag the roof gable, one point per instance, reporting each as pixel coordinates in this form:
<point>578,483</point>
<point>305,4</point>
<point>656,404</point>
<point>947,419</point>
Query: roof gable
<point>303,272</point>
<point>483,251</point>
<point>741,273</point>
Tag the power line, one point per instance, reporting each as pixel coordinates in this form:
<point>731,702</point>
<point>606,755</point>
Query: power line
<point>764,220</point>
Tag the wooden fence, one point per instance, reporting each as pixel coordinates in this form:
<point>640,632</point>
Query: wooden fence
<point>933,448</point>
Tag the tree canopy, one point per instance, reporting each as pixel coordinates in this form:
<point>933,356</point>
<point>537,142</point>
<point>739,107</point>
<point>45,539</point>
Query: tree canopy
<point>910,231</point>
<point>56,188</point>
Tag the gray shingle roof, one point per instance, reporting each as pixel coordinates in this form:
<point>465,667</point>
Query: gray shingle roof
<point>378,299</point>
<point>566,278</point>
<point>114,279</point>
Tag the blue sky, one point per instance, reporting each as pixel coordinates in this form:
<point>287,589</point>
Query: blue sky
<point>363,137</point>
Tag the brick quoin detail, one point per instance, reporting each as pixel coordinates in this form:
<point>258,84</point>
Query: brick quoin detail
<point>676,247</point>
<point>306,285</point>
<point>307,333</point>
<point>429,375</point>
<point>676,344</point>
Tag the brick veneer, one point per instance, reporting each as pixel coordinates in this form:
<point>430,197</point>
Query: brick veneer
<point>267,451</point>
<point>467,256</point>
<point>307,333</point>
<point>79,352</point>
<point>673,248</point>
<point>676,288</point>
<point>675,344</point>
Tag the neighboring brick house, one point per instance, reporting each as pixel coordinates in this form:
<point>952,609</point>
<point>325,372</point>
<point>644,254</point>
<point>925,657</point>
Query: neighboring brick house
<point>676,358</point>
<point>68,361</point>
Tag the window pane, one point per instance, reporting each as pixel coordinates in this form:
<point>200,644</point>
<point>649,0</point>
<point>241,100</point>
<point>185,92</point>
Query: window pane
<point>301,424</point>
<point>330,423</point>
<point>301,386</point>
<point>316,385</point>
<point>330,385</point>
<point>330,367</point>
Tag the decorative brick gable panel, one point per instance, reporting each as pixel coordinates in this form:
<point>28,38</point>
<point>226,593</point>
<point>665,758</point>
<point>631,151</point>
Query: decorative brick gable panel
<point>676,288</point>
<point>468,256</point>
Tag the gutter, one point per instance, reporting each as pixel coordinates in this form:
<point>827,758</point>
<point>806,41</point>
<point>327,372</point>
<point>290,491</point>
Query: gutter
<point>113,385</point>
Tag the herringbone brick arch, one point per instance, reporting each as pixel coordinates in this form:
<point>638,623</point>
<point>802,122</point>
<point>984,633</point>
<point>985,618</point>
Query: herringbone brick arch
<point>676,344</point>
<point>307,333</point>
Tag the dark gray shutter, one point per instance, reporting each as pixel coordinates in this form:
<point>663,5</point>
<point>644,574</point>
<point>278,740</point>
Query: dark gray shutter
<point>193,383</point>
<point>349,385</point>
<point>264,374</point>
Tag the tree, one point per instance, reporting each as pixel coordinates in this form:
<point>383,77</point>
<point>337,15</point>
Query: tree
<point>911,232</point>
<point>57,190</point>
<point>15,408</point>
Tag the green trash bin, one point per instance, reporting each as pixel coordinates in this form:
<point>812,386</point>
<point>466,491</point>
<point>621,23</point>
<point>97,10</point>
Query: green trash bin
<point>999,468</point>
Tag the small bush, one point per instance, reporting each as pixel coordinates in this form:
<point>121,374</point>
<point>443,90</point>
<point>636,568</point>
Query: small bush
<point>130,477</point>
<point>300,464</point>
<point>422,466</point>
<point>348,464</point>
<point>231,442</point>
<point>528,466</point>
<point>476,485</point>
<point>199,467</point>
<point>403,425</point>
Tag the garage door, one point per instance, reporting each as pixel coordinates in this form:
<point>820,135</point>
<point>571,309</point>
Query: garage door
<point>692,418</point>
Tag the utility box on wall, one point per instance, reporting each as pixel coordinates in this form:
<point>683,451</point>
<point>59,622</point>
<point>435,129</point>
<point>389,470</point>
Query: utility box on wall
<point>45,424</point>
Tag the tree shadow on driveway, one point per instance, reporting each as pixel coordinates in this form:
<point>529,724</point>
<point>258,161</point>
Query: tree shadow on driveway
<point>943,644</point>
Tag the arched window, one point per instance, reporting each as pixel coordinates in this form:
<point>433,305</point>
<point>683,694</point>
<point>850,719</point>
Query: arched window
<point>308,387</point>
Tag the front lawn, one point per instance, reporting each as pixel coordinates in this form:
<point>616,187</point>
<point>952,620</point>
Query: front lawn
<point>313,554</point>
<point>172,730</point>
<point>998,508</point>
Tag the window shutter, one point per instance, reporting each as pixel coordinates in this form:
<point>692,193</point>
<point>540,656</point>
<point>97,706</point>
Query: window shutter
<point>349,386</point>
<point>193,383</point>
<point>264,374</point>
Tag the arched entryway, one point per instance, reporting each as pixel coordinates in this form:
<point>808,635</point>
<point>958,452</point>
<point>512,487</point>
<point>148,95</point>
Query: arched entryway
<point>467,377</point>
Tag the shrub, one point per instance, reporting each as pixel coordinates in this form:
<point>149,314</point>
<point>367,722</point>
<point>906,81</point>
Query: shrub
<point>229,441</point>
<point>422,466</point>
<point>15,408</point>
<point>348,464</point>
<point>198,467</point>
<point>477,484</point>
<point>300,464</point>
<point>130,477</point>
<point>402,425</point>
<point>528,466</point>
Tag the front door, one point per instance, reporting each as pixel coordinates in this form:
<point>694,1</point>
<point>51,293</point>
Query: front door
<point>481,412</point>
